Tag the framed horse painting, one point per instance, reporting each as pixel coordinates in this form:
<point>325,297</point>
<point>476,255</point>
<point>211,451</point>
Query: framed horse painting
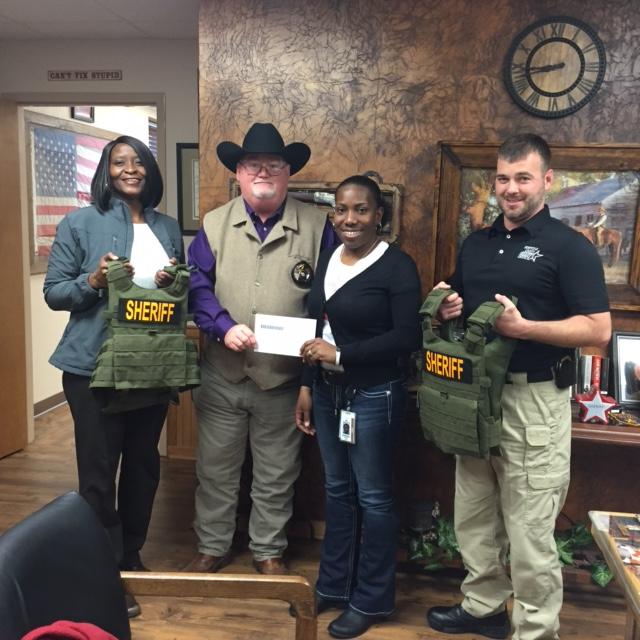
<point>596,190</point>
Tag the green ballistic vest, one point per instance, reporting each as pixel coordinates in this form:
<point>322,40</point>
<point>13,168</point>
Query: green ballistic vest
<point>462,380</point>
<point>146,356</point>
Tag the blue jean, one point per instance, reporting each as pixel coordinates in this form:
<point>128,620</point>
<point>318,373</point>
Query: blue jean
<point>358,559</point>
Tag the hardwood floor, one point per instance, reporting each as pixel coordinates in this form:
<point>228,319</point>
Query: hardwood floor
<point>46,469</point>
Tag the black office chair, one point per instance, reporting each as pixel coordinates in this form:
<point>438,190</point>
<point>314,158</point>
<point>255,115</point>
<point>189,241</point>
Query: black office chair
<point>58,564</point>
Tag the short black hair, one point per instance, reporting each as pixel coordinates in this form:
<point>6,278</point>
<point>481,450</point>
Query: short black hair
<point>373,188</point>
<point>367,183</point>
<point>521,145</point>
<point>101,191</point>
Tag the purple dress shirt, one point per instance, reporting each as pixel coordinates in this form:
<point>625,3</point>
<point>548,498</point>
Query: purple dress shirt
<point>210,316</point>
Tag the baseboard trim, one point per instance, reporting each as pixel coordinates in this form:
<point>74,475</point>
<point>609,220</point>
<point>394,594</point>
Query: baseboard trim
<point>49,403</point>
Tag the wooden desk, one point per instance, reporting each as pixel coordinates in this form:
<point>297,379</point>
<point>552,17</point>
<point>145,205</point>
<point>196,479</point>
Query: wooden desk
<point>606,434</point>
<point>622,435</point>
<point>627,575</point>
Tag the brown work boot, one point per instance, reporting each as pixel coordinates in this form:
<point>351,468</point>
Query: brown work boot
<point>271,567</point>
<point>204,563</point>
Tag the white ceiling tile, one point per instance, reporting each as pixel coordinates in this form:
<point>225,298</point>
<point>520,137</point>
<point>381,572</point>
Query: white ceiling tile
<point>15,31</point>
<point>160,10</point>
<point>108,19</point>
<point>54,10</point>
<point>175,29</point>
<point>83,29</point>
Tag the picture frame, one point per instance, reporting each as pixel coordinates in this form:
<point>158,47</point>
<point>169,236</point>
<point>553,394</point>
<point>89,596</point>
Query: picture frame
<point>625,354</point>
<point>83,113</point>
<point>188,176</point>
<point>322,196</point>
<point>463,201</point>
<point>61,157</point>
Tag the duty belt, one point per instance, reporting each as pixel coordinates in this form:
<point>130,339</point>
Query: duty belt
<point>524,377</point>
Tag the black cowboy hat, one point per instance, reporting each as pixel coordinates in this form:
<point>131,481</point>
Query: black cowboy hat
<point>264,138</point>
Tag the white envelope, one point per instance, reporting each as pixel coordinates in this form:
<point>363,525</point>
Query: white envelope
<point>282,335</point>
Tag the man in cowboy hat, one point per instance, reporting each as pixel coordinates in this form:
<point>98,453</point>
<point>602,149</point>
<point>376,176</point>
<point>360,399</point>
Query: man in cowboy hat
<point>255,254</point>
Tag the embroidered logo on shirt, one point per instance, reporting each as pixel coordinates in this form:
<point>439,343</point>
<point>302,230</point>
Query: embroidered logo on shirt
<point>530,253</point>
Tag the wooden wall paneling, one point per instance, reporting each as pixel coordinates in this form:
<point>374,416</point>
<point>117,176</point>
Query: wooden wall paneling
<point>182,429</point>
<point>182,425</point>
<point>13,364</point>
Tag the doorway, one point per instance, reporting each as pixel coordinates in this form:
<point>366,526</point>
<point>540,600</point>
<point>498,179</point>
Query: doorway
<point>44,126</point>
<point>141,115</point>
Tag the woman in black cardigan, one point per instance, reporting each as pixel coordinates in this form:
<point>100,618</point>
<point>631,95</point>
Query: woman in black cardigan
<point>365,296</point>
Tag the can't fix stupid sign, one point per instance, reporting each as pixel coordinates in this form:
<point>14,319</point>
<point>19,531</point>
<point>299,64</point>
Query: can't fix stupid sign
<point>114,74</point>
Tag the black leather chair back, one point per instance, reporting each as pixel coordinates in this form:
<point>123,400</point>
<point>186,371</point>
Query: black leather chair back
<point>58,564</point>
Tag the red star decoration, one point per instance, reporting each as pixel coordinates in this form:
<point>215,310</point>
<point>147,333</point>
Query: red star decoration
<point>595,407</point>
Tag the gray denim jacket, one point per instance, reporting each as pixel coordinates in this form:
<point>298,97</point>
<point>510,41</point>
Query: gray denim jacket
<point>82,238</point>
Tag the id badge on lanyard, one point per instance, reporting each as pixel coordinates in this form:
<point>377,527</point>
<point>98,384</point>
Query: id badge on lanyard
<point>347,427</point>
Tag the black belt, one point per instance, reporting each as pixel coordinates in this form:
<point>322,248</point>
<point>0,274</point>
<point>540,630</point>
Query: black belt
<point>333,378</point>
<point>542,375</point>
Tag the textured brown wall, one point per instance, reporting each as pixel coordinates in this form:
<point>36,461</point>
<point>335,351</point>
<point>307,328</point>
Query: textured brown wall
<point>375,84</point>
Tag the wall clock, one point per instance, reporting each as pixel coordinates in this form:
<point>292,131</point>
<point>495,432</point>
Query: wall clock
<point>554,66</point>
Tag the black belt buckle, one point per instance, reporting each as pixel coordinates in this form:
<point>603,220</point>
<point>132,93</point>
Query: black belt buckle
<point>564,372</point>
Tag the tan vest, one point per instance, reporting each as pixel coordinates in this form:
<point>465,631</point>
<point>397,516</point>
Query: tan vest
<point>254,277</point>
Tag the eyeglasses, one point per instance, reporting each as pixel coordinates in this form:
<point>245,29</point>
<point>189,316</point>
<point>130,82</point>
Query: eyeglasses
<point>273,167</point>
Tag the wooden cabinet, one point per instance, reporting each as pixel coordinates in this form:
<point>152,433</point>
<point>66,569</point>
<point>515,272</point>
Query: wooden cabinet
<point>182,427</point>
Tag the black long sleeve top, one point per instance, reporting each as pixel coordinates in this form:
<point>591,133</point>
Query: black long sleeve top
<point>374,318</point>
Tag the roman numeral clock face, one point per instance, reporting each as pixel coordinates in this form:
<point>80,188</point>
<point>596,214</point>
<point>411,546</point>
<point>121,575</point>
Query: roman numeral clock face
<point>554,67</point>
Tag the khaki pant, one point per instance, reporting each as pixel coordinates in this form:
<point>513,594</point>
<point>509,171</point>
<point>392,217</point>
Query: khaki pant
<point>228,415</point>
<point>509,504</point>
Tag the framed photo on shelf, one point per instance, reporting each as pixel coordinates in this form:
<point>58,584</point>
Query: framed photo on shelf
<point>84,114</point>
<point>188,187</point>
<point>591,183</point>
<point>323,196</point>
<point>625,353</point>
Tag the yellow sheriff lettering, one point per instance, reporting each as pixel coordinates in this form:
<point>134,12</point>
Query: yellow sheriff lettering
<point>444,366</point>
<point>168,309</point>
<point>149,311</point>
<point>128,310</point>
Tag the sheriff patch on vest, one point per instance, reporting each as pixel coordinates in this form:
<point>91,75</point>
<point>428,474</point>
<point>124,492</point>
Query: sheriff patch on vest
<point>148,311</point>
<point>462,380</point>
<point>448,367</point>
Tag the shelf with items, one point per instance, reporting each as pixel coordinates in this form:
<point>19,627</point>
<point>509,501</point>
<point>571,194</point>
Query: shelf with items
<point>606,433</point>
<point>618,434</point>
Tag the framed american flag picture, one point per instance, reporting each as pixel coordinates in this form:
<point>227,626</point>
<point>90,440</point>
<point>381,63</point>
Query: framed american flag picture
<point>62,157</point>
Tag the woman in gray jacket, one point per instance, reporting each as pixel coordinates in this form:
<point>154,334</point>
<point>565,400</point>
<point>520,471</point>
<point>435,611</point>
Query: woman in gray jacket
<point>122,221</point>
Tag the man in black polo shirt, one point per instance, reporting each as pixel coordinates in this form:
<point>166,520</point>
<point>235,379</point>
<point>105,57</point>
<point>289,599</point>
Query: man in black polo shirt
<point>510,503</point>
